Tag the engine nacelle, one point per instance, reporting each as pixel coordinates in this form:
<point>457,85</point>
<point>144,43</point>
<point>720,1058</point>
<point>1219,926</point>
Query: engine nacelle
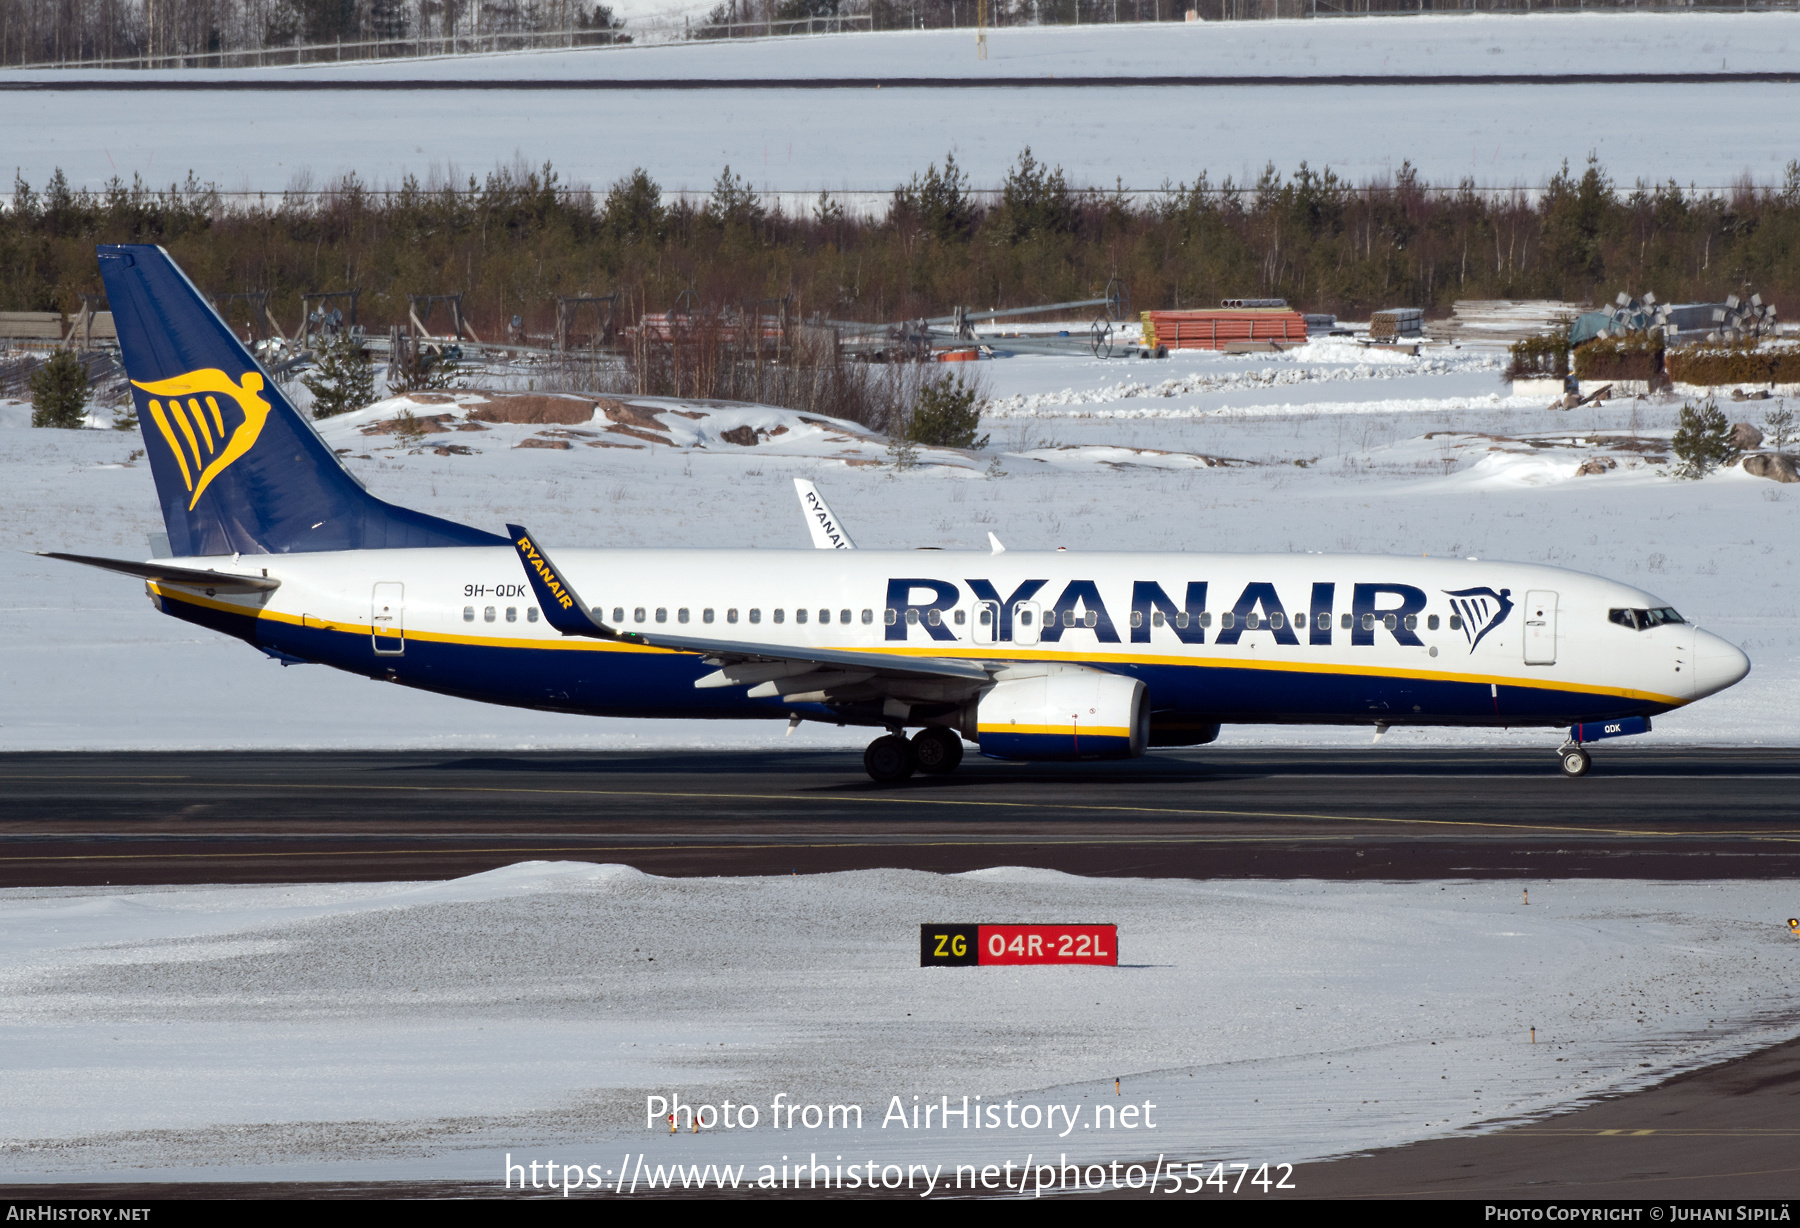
<point>1066,714</point>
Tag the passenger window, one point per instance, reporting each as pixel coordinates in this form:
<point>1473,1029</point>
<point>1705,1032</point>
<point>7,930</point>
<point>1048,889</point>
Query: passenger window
<point>987,617</point>
<point>934,617</point>
<point>487,614</point>
<point>512,613</point>
<point>706,615</point>
<point>1205,618</point>
<point>844,617</point>
<point>962,616</point>
<point>825,616</point>
<point>890,616</point>
<point>662,613</point>
<point>912,617</point>
<point>868,616</point>
<point>1431,623</point>
<point>1068,618</point>
<point>1227,620</point>
<point>1389,621</point>
<point>1324,622</point>
<point>618,613</point>
<point>1024,618</point>
<point>1368,622</point>
<point>799,616</point>
<point>637,615</point>
<point>1456,622</point>
<point>731,615</point>
<point>756,615</point>
<point>468,613</point>
<point>1278,620</point>
<point>1156,619</point>
<point>1345,622</point>
<point>1412,622</point>
<point>681,615</point>
<point>530,613</point>
<point>1090,619</point>
<point>1181,619</point>
<point>1253,622</point>
<point>780,616</point>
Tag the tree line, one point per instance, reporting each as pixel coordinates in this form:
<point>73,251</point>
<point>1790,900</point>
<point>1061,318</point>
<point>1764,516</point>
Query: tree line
<point>514,241</point>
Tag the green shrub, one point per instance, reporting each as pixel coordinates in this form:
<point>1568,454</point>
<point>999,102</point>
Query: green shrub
<point>343,381</point>
<point>59,392</point>
<point>1635,357</point>
<point>1545,357</point>
<point>948,413</point>
<point>1702,441</point>
<point>1715,365</point>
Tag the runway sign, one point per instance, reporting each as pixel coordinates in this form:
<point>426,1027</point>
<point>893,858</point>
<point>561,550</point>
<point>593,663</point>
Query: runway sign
<point>989,945</point>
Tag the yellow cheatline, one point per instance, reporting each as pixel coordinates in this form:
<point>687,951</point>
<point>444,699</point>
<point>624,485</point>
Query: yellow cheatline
<point>582,644</point>
<point>1085,731</point>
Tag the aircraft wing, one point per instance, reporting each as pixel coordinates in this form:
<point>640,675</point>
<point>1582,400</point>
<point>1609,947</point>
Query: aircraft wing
<point>827,530</point>
<point>565,611</point>
<point>163,573</point>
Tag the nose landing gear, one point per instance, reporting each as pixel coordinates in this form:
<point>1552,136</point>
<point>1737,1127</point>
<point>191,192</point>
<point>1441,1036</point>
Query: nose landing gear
<point>1575,761</point>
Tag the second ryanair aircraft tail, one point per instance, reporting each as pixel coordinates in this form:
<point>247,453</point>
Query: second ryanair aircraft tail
<point>238,470</point>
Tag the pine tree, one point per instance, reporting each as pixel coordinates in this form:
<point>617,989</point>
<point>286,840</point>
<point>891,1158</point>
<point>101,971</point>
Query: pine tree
<point>947,414</point>
<point>343,381</point>
<point>1702,440</point>
<point>59,392</point>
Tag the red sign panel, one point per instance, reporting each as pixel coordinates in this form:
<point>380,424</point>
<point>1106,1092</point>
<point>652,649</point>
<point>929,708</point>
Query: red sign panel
<point>1048,944</point>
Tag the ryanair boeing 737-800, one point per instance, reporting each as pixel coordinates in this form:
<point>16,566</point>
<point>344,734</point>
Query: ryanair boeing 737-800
<point>1027,655</point>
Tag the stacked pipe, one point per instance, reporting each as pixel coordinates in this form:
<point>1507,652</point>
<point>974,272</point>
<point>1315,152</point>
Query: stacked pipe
<point>1216,328</point>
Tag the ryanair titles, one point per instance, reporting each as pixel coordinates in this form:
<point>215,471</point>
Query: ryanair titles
<point>1028,614</point>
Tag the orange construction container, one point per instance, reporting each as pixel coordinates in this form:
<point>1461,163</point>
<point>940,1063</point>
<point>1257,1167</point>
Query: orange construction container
<point>1216,328</point>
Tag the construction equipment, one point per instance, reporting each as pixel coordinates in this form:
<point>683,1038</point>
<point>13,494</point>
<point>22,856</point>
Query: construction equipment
<point>459,327</point>
<point>320,320</point>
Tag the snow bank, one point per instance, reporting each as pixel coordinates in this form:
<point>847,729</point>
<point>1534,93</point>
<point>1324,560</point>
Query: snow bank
<point>428,1029</point>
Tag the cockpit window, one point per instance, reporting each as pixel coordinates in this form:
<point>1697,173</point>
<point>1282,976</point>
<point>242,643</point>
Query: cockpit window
<point>1643,620</point>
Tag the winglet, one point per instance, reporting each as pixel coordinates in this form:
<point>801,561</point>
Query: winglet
<point>827,530</point>
<point>995,543</point>
<point>562,606</point>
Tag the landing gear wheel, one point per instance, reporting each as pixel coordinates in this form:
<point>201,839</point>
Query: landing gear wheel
<point>1575,762</point>
<point>889,759</point>
<point>937,750</point>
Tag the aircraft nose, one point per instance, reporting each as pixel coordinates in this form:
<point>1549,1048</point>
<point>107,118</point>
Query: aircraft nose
<point>1717,664</point>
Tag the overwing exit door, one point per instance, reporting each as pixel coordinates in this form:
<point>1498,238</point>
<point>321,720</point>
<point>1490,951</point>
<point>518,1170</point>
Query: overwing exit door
<point>387,622</point>
<point>1540,627</point>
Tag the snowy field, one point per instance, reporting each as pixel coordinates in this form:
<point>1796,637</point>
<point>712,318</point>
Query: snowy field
<point>397,1030</point>
<point>1200,452</point>
<point>862,142</point>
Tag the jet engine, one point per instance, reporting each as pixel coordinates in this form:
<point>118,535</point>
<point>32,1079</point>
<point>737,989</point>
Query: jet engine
<point>1064,714</point>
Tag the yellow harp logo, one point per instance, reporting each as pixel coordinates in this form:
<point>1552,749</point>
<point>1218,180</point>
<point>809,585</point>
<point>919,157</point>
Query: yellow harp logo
<point>204,436</point>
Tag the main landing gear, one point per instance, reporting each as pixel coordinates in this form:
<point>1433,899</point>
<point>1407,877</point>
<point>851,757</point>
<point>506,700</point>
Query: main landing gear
<point>891,758</point>
<point>1575,761</point>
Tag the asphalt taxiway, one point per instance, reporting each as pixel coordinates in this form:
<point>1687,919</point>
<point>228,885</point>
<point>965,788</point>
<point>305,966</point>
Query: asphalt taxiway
<point>257,816</point>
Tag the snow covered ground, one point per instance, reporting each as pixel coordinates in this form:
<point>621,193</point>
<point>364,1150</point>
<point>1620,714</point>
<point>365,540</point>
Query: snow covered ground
<point>429,1029</point>
<point>862,142</point>
<point>1323,450</point>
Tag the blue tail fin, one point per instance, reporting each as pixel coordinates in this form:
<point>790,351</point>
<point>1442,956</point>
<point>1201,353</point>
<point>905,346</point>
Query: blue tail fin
<point>237,469</point>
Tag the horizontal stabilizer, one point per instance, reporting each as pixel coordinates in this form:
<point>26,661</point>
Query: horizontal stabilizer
<point>163,573</point>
